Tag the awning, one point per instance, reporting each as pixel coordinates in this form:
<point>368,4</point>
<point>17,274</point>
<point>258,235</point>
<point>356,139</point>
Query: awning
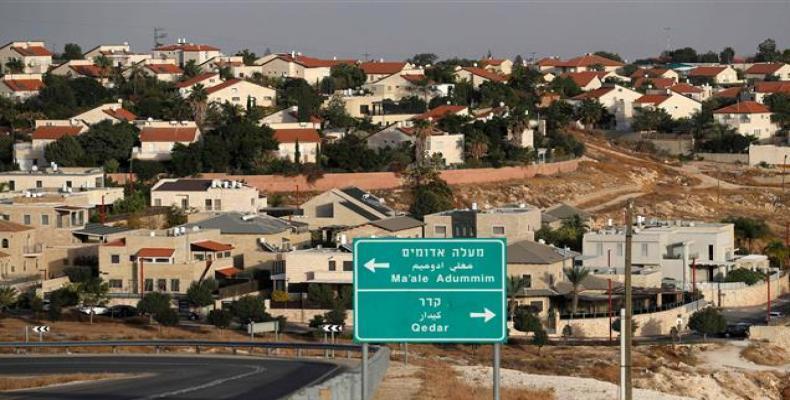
<point>228,272</point>
<point>210,245</point>
<point>155,252</point>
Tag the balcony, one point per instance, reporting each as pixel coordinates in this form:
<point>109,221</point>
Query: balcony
<point>33,250</point>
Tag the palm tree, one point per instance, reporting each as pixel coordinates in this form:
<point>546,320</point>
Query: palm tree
<point>514,285</point>
<point>576,275</point>
<point>477,147</point>
<point>7,297</point>
<point>197,100</point>
<point>93,293</point>
<point>191,69</point>
<point>15,66</point>
<point>104,63</point>
<point>590,112</point>
<point>422,130</point>
<point>777,251</point>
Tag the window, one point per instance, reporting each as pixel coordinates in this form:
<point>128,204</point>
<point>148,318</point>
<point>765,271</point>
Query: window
<point>498,230</point>
<point>175,285</point>
<point>11,185</point>
<point>39,184</point>
<point>115,259</point>
<point>236,99</point>
<point>5,243</point>
<point>332,265</point>
<point>68,184</point>
<point>185,203</point>
<point>161,285</point>
<point>536,306</point>
<point>619,249</point>
<point>227,254</point>
<point>208,204</point>
<point>158,202</point>
<point>644,250</point>
<point>132,258</point>
<point>710,252</point>
<point>26,219</point>
<point>527,280</point>
<point>149,285</point>
<point>348,266</point>
<point>44,219</point>
<point>115,283</point>
<point>199,256</point>
<point>162,260</point>
<point>218,204</point>
<point>440,230</point>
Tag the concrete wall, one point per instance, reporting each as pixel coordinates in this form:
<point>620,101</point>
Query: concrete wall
<point>753,295</point>
<point>776,335</point>
<point>387,180</point>
<point>304,316</point>
<point>724,157</point>
<point>648,324</point>
<point>769,154</point>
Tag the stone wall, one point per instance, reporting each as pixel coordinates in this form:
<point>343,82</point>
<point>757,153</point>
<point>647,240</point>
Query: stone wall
<point>648,324</point>
<point>769,154</point>
<point>303,316</point>
<point>753,295</point>
<point>724,157</point>
<point>776,335</point>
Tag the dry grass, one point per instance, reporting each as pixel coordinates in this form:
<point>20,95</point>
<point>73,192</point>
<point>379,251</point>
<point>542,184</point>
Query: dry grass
<point>440,382</point>
<point>765,354</point>
<point>28,382</point>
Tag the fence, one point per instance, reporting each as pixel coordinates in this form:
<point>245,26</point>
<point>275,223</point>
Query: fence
<point>238,289</point>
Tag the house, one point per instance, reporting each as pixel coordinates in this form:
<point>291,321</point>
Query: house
<point>450,146</point>
<point>234,64</point>
<point>183,52</point>
<point>764,71</point>
<point>477,76</point>
<point>513,223</point>
<point>377,70</point>
<point>83,69</point>
<point>616,99</point>
<point>258,238</point>
<point>301,143</point>
<point>399,226</point>
<point>398,86</point>
<point>656,72</point>
<point>164,261</point>
<point>392,136</point>
<point>34,56</point>
<point>205,79</point>
<point>443,111</point>
<point>748,118</point>
<point>109,111</point>
<point>121,55</point>
<point>16,241</point>
<point>714,75</point>
<point>652,83</point>
<point>694,92</point>
<point>20,87</point>
<point>54,178</point>
<point>241,93</point>
<point>207,195</point>
<point>288,118</point>
<point>295,65</point>
<point>764,89</point>
<point>731,93</point>
<point>298,269</point>
<point>676,105</point>
<point>554,216</point>
<point>157,138</point>
<point>499,66</point>
<point>348,206</point>
<point>540,268</point>
<point>163,70</point>
<point>587,62</point>
<point>360,106</point>
<point>586,80</point>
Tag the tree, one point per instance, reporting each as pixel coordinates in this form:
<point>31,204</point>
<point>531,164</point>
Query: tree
<point>708,321</point>
<point>154,303</point>
<point>104,64</point>
<point>565,87</point>
<point>247,56</point>
<point>198,99</point>
<point>167,317</point>
<point>250,308</point>
<point>8,296</point>
<point>347,76</point>
<point>514,285</point>
<point>540,338</point>
<point>748,229</point>
<point>66,152</point>
<point>350,154</point>
<point>779,104</point>
<point>72,51</point>
<point>147,170</point>
<point>727,55</point>
<point>684,55</point>
<point>524,320</point>
<point>186,160</point>
<point>337,315</point>
<point>744,275</point>
<point>321,295</point>
<point>108,141</point>
<point>610,55</point>
<point>766,51</point>
<point>191,69</point>
<point>15,65</point>
<point>576,276</point>
<point>219,318</point>
<point>175,217</point>
<point>616,325</point>
<point>200,294</point>
<point>423,59</point>
<point>590,112</point>
<point>652,119</point>
<point>777,253</point>
<point>93,293</point>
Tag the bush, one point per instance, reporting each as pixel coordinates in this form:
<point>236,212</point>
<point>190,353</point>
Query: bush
<point>65,297</point>
<point>708,321</point>
<point>168,317</point>
<point>55,310</point>
<point>525,321</point>
<point>744,275</point>
<point>280,296</point>
<point>220,318</point>
<point>337,316</point>
<point>250,308</point>
<point>616,325</point>
<point>154,303</point>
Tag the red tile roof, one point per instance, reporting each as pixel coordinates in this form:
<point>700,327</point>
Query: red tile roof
<point>121,114</point>
<point>658,83</point>
<point>223,85</point>
<point>116,243</point>
<point>32,50</point>
<point>582,78</point>
<point>763,69</point>
<point>549,62</point>
<point>484,73</point>
<point>228,272</point>
<point>155,252</point>
<point>55,132</point>
<point>732,92</point>
<point>24,85</point>
<point>186,47</point>
<point>169,134</point>
<point>649,73</point>
<point>382,68</point>
<point>195,80</point>
<point>743,107</point>
<point>594,94</point>
<point>164,68</point>
<point>654,99</point>
<point>210,245</point>
<point>90,70</point>
<point>309,62</point>
<point>414,78</point>
<point>772,87</point>
<point>491,61</point>
<point>685,88</point>
<point>706,71</point>
<point>440,112</point>
<point>305,135</point>
<point>590,60</point>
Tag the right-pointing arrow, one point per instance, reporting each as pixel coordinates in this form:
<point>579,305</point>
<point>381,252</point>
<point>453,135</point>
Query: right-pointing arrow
<point>487,315</point>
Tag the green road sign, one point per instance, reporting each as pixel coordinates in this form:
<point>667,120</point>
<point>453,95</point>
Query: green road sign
<point>430,290</point>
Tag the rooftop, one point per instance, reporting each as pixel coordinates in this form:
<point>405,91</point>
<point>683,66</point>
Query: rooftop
<point>529,252</point>
<point>234,223</point>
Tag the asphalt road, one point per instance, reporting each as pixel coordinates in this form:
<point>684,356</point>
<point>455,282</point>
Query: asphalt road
<point>171,377</point>
<point>756,314</point>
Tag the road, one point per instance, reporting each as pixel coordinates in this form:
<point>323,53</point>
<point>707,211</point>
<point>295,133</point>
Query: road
<point>171,377</point>
<point>756,314</point>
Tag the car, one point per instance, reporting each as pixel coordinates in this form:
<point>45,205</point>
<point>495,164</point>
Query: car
<point>96,310</point>
<point>776,314</point>
<point>123,311</point>
<point>739,330</point>
<point>669,283</point>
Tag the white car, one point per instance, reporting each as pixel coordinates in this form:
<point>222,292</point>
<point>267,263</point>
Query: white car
<point>97,310</point>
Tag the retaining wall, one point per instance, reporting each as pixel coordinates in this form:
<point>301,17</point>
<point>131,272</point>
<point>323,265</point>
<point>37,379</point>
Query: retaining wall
<point>348,385</point>
<point>724,157</point>
<point>746,296</point>
<point>776,335</point>
<point>648,324</point>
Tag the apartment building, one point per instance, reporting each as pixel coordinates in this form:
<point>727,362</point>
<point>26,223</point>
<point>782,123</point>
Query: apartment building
<point>296,270</point>
<point>748,118</point>
<point>33,55</point>
<point>183,52</point>
<point>207,195</point>
<point>164,261</point>
<point>513,223</point>
<point>79,179</point>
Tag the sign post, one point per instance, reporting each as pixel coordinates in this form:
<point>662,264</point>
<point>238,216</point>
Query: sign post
<point>430,291</point>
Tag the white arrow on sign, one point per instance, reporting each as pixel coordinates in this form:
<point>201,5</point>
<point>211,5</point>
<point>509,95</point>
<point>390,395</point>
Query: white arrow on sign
<point>487,315</point>
<point>372,265</point>
<point>41,329</point>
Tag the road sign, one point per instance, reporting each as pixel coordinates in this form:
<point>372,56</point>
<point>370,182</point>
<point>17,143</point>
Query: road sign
<point>332,328</point>
<point>41,329</point>
<point>430,290</point>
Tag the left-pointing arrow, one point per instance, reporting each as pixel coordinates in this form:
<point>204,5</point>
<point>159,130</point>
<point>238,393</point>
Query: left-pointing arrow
<point>487,315</point>
<point>372,265</point>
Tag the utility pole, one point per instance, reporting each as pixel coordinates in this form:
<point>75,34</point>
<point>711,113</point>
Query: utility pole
<point>625,322</point>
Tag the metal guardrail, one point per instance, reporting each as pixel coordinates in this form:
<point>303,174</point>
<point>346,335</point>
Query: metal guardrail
<point>185,343</point>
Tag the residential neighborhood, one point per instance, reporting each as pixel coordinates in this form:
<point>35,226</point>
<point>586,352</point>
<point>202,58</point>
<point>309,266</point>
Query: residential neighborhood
<point>216,194</point>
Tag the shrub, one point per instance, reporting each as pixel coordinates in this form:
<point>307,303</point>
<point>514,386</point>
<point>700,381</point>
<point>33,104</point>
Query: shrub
<point>250,308</point>
<point>708,321</point>
<point>744,275</point>
<point>220,318</point>
<point>525,321</point>
<point>168,317</point>
<point>280,296</point>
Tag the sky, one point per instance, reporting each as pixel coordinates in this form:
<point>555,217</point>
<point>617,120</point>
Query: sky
<point>399,29</point>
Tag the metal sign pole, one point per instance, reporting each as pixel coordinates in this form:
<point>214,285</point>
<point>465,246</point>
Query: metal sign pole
<point>406,353</point>
<point>27,333</point>
<point>40,336</point>
<point>364,371</point>
<point>332,340</point>
<point>497,354</point>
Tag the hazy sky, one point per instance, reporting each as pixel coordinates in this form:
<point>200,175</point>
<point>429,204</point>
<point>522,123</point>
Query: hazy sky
<point>397,30</point>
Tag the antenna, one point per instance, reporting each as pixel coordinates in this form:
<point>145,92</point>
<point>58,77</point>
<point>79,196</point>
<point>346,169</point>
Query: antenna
<point>159,34</point>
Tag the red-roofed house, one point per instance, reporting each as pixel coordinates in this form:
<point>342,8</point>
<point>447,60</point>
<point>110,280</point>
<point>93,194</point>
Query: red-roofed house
<point>306,140</point>
<point>610,97</point>
<point>730,93</point>
<point>676,105</point>
<point>653,83</point>
<point>20,87</point>
<point>655,72</point>
<point>477,76</point>
<point>500,66</point>
<point>82,69</point>
<point>587,80</point>
<point>34,56</point>
<point>398,86</point>
<point>377,70</point>
<point>587,62</point>
<point>763,89</point>
<point>206,79</point>
<point>121,55</point>
<point>295,65</point>
<point>445,110</point>
<point>748,118</point>
<point>239,92</point>
<point>763,71</point>
<point>696,93</point>
<point>183,52</point>
<point>163,70</point>
<point>157,138</point>
<point>718,75</point>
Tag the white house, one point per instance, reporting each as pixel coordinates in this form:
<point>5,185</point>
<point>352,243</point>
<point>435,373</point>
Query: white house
<point>35,57</point>
<point>477,76</point>
<point>676,105</point>
<point>82,69</point>
<point>719,75</point>
<point>239,92</point>
<point>157,138</point>
<point>586,80</point>
<point>763,71</point>
<point>764,89</point>
<point>121,55</point>
<point>748,118</point>
<point>295,65</point>
<point>163,70</point>
<point>206,79</point>
<point>610,97</point>
<point>20,87</point>
<point>305,141</point>
<point>183,52</point>
<point>288,118</point>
